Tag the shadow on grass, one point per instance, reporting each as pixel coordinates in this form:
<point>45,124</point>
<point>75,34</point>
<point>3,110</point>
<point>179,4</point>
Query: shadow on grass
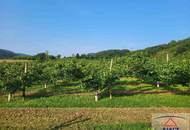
<point>138,82</point>
<point>69,84</point>
<point>142,88</point>
<point>132,93</point>
<point>67,90</point>
<point>76,120</point>
<point>173,89</point>
<point>39,94</point>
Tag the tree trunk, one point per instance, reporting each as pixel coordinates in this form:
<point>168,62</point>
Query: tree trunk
<point>111,63</point>
<point>9,97</point>
<point>45,85</point>
<point>96,96</point>
<point>110,93</point>
<point>167,57</point>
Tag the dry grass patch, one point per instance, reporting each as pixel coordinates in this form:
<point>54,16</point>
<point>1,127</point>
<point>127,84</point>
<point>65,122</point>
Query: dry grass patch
<point>68,118</point>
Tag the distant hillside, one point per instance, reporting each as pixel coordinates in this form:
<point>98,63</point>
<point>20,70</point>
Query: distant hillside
<point>6,54</point>
<point>109,53</point>
<point>175,49</point>
<point>9,54</point>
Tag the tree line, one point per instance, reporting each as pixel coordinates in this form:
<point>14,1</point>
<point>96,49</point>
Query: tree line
<point>96,75</point>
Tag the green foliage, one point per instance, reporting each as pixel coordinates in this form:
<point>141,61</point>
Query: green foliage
<point>175,72</point>
<point>49,73</point>
<point>44,56</point>
<point>41,57</point>
<point>73,70</point>
<point>111,53</point>
<point>10,77</point>
<point>94,74</point>
<point>185,46</point>
<point>98,77</point>
<point>137,65</point>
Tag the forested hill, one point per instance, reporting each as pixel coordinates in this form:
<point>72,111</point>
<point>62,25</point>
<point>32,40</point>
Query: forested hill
<point>6,54</point>
<point>109,53</point>
<point>175,49</point>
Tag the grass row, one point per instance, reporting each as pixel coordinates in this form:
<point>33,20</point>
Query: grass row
<point>72,95</point>
<point>139,100</point>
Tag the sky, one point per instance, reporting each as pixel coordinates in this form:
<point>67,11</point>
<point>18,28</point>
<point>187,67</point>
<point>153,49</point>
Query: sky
<point>68,27</point>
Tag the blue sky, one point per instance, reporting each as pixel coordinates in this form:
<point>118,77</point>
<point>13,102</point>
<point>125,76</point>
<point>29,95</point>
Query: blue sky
<point>82,26</point>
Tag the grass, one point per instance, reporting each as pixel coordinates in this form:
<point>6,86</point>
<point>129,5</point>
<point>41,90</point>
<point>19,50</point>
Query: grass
<point>147,87</point>
<point>69,100</point>
<point>133,84</point>
<point>136,87</point>
<point>71,107</point>
<point>72,95</point>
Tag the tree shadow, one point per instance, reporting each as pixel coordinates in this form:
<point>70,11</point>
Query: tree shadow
<point>69,84</point>
<point>137,92</point>
<point>163,89</point>
<point>128,82</point>
<point>39,94</point>
<point>131,93</point>
<point>76,120</point>
<point>67,90</point>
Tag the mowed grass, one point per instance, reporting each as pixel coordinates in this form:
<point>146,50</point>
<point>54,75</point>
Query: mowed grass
<point>70,107</point>
<point>69,100</point>
<point>133,84</point>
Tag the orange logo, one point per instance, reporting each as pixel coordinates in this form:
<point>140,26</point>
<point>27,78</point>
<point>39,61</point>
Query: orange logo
<point>170,123</point>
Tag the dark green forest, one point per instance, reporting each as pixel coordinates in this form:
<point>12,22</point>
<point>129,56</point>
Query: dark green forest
<point>174,49</point>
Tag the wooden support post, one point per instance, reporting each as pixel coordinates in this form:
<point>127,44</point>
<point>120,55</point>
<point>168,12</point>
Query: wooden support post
<point>25,68</point>
<point>96,96</point>
<point>157,84</point>
<point>110,93</point>
<point>45,85</point>
<point>24,88</point>
<point>9,97</point>
<point>111,64</point>
<point>167,57</point>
